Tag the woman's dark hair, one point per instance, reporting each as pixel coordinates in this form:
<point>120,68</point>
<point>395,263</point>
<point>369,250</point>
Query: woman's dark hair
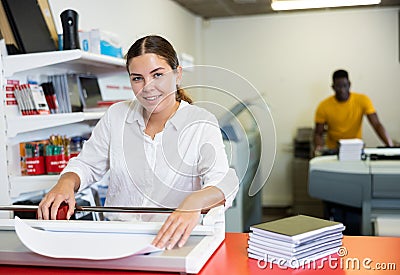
<point>160,46</point>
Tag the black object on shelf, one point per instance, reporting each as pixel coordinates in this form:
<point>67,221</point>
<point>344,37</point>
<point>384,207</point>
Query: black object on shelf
<point>28,26</point>
<point>69,20</point>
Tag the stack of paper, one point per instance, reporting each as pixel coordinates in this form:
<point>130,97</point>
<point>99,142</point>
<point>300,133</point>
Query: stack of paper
<point>294,241</point>
<point>350,149</point>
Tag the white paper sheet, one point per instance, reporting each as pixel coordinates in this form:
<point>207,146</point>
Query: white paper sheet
<point>83,245</point>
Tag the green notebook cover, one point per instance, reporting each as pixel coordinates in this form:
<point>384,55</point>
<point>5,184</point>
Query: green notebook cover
<point>296,225</point>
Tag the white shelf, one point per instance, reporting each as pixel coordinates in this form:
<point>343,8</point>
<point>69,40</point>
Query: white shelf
<point>22,124</point>
<point>98,63</point>
<point>27,184</point>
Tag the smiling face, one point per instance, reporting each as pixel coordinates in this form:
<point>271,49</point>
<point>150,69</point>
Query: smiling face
<point>154,83</point>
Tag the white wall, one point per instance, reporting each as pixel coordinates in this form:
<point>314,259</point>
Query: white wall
<point>290,57</point>
<point>132,19</point>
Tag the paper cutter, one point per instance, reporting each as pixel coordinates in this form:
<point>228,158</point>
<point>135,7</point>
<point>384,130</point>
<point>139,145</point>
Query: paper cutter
<point>190,258</point>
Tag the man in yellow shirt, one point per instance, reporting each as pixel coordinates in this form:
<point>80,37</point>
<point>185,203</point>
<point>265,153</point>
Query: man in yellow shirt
<point>342,114</point>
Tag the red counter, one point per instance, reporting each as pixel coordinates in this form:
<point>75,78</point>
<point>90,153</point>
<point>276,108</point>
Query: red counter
<point>361,255</point>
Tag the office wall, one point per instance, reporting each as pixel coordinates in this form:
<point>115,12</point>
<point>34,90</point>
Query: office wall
<point>132,19</point>
<point>290,57</point>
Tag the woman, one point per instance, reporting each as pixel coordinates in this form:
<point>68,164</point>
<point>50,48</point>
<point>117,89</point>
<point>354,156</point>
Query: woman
<point>161,151</point>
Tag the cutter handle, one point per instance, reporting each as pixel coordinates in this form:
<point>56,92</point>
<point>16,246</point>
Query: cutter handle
<point>62,211</point>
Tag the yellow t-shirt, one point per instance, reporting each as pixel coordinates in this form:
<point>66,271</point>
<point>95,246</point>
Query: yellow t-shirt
<point>344,119</point>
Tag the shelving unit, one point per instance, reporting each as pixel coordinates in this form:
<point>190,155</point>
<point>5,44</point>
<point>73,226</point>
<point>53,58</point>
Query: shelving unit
<point>72,59</point>
<point>23,124</point>
<point>15,128</point>
<point>20,185</point>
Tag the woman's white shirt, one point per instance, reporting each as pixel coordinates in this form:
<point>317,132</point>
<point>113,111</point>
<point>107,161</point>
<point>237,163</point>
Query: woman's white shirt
<point>187,155</point>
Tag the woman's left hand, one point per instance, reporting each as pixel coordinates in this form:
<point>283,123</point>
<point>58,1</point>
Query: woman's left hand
<point>177,228</point>
<point>179,225</point>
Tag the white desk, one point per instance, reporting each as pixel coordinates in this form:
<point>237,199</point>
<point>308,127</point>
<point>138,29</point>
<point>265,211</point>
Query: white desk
<point>373,186</point>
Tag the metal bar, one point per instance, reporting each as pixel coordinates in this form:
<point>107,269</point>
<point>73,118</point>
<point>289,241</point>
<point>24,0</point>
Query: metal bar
<point>122,209</point>
<point>33,208</point>
<point>30,208</point>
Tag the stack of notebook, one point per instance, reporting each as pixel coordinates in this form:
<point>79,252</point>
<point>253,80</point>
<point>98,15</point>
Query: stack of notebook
<point>295,240</point>
<point>350,149</point>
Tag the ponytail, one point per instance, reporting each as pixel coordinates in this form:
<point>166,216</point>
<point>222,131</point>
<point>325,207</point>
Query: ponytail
<point>182,95</point>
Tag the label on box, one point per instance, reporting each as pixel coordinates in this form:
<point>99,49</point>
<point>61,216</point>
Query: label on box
<point>35,166</point>
<point>55,164</point>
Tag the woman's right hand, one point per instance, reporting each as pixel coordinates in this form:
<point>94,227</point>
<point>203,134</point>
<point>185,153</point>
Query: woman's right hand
<point>63,191</point>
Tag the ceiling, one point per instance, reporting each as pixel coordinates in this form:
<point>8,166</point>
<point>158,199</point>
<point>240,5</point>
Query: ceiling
<point>227,8</point>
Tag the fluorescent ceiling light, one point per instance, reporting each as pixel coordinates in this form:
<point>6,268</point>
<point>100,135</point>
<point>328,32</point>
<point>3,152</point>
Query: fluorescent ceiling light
<point>315,4</point>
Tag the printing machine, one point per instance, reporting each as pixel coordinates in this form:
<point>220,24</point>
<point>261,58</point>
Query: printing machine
<point>372,184</point>
<point>243,149</point>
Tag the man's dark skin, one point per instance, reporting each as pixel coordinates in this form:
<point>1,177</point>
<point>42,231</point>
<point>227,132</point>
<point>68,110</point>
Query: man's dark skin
<point>341,86</point>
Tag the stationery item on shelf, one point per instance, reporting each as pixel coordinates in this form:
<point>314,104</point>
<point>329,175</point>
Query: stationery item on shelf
<point>31,99</point>
<point>50,96</point>
<point>61,90</point>
<point>45,156</point>
<point>39,99</point>
<point>90,93</point>
<point>19,96</point>
<point>32,157</point>
<point>294,240</point>
<point>56,160</point>
<point>100,42</point>
<point>22,161</point>
<point>84,40</point>
<point>28,25</point>
<point>75,95</point>
<point>76,146</point>
<point>350,149</point>
<point>106,43</point>
<point>57,154</point>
